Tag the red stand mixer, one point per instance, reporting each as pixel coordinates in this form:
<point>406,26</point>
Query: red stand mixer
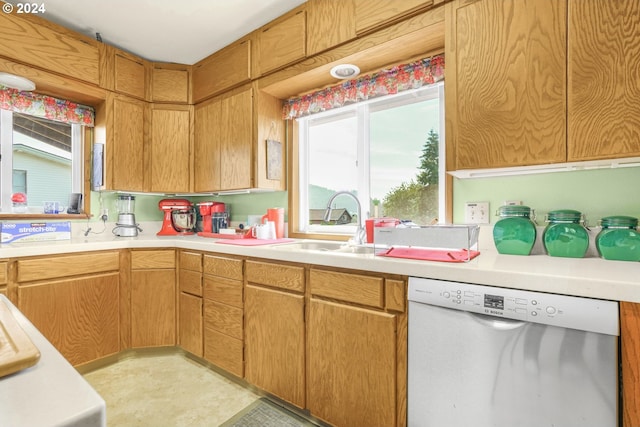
<point>179,217</point>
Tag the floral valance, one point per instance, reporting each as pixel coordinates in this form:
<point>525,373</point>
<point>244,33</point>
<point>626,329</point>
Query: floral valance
<point>386,82</point>
<point>46,107</point>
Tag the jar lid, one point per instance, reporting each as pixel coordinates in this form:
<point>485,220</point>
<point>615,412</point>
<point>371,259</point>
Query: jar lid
<point>514,210</point>
<point>619,221</point>
<point>567,215</point>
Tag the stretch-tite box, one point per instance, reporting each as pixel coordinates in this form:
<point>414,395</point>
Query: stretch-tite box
<point>19,232</point>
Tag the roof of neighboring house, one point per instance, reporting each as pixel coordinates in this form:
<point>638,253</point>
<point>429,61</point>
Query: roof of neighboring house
<point>336,214</point>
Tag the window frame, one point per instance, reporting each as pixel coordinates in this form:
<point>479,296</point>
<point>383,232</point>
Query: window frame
<point>298,181</point>
<point>79,136</point>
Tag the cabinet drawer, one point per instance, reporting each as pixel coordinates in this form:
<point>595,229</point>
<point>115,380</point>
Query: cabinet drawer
<point>190,261</point>
<point>223,351</point>
<point>70,265</point>
<point>354,288</point>
<point>223,290</point>
<point>223,318</point>
<point>223,267</point>
<point>190,282</point>
<point>153,259</point>
<point>276,275</point>
<point>3,273</point>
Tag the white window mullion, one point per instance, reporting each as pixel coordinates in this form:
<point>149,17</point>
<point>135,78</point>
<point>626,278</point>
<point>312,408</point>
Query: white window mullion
<point>364,165</point>
<point>303,170</point>
<point>6,162</point>
<point>77,178</point>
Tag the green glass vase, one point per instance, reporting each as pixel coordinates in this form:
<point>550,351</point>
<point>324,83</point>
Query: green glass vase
<point>565,234</point>
<point>515,232</point>
<point>619,238</point>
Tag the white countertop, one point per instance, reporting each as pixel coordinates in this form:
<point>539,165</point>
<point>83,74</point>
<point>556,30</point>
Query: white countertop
<point>50,393</point>
<point>587,277</point>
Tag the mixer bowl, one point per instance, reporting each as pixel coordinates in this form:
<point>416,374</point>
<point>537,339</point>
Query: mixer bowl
<point>183,219</point>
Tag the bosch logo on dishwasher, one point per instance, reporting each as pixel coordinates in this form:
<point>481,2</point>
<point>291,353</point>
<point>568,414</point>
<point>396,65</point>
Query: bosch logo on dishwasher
<point>493,303</point>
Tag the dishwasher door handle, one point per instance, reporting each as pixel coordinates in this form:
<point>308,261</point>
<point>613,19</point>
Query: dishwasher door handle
<point>494,322</point>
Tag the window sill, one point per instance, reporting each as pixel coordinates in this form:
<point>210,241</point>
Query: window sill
<point>32,216</point>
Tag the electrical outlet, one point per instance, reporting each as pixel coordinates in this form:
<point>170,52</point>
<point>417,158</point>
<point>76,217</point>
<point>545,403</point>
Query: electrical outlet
<point>104,214</point>
<point>476,213</point>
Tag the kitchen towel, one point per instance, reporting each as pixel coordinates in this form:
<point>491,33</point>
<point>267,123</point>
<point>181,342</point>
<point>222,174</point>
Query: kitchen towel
<point>442,255</point>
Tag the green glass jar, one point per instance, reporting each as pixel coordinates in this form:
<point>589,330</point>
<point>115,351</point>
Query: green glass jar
<point>515,232</point>
<point>619,238</point>
<point>565,234</point>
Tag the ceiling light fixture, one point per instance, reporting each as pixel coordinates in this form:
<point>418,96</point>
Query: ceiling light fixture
<point>345,71</point>
<point>16,82</point>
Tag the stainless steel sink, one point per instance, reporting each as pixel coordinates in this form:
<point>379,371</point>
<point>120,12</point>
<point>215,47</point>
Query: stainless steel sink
<point>326,247</point>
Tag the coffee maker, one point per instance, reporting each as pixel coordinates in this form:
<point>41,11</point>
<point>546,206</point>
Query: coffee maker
<point>126,225</point>
<point>214,217</point>
<point>179,217</point>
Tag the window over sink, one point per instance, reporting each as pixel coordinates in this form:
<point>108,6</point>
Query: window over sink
<point>388,151</point>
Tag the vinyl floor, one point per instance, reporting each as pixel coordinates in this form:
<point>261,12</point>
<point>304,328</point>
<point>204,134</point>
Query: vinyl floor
<point>167,390</point>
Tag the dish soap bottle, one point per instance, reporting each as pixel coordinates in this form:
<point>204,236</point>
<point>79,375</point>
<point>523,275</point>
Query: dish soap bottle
<point>515,232</point>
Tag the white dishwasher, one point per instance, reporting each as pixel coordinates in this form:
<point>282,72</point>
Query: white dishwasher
<point>483,356</point>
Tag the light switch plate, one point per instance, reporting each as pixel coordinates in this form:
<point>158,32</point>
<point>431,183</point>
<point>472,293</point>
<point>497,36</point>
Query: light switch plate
<point>476,213</point>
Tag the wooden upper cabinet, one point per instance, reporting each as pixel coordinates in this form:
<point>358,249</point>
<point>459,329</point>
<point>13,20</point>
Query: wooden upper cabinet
<point>329,23</point>
<point>170,84</point>
<point>206,146</point>
<point>170,148</point>
<point>39,43</point>
<point>130,75</point>
<point>603,84</point>
<point>281,42</point>
<point>370,14</point>
<point>223,70</point>
<point>126,130</point>
<point>506,83</point>
<point>230,142</point>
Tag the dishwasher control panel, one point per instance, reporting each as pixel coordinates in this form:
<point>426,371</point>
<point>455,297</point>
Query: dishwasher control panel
<point>565,311</point>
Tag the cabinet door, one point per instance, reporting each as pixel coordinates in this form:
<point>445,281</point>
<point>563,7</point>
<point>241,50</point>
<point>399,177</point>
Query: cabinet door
<point>153,308</point>
<point>79,316</point>
<point>506,83</point>
<point>603,107</point>
<point>351,365</point>
<point>223,70</point>
<point>126,160</point>
<point>236,141</point>
<point>190,324</point>
<point>370,14</point>
<point>170,149</point>
<point>274,343</point>
<point>281,43</point>
<point>130,75</point>
<point>329,23</point>
<point>208,131</point>
<point>170,85</point>
<point>630,349</point>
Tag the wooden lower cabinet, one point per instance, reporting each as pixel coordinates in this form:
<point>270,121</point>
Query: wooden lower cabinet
<point>223,313</point>
<point>190,306</point>
<point>153,298</point>
<point>190,323</point>
<point>352,365</point>
<point>630,349</point>
<point>274,343</point>
<point>79,316</point>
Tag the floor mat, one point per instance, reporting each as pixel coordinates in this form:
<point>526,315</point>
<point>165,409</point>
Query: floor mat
<point>264,413</point>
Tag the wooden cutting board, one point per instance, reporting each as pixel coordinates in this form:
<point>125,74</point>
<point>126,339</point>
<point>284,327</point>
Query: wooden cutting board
<point>17,352</point>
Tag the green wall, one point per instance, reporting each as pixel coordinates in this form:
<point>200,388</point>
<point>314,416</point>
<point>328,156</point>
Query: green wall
<point>147,205</point>
<point>596,193</point>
